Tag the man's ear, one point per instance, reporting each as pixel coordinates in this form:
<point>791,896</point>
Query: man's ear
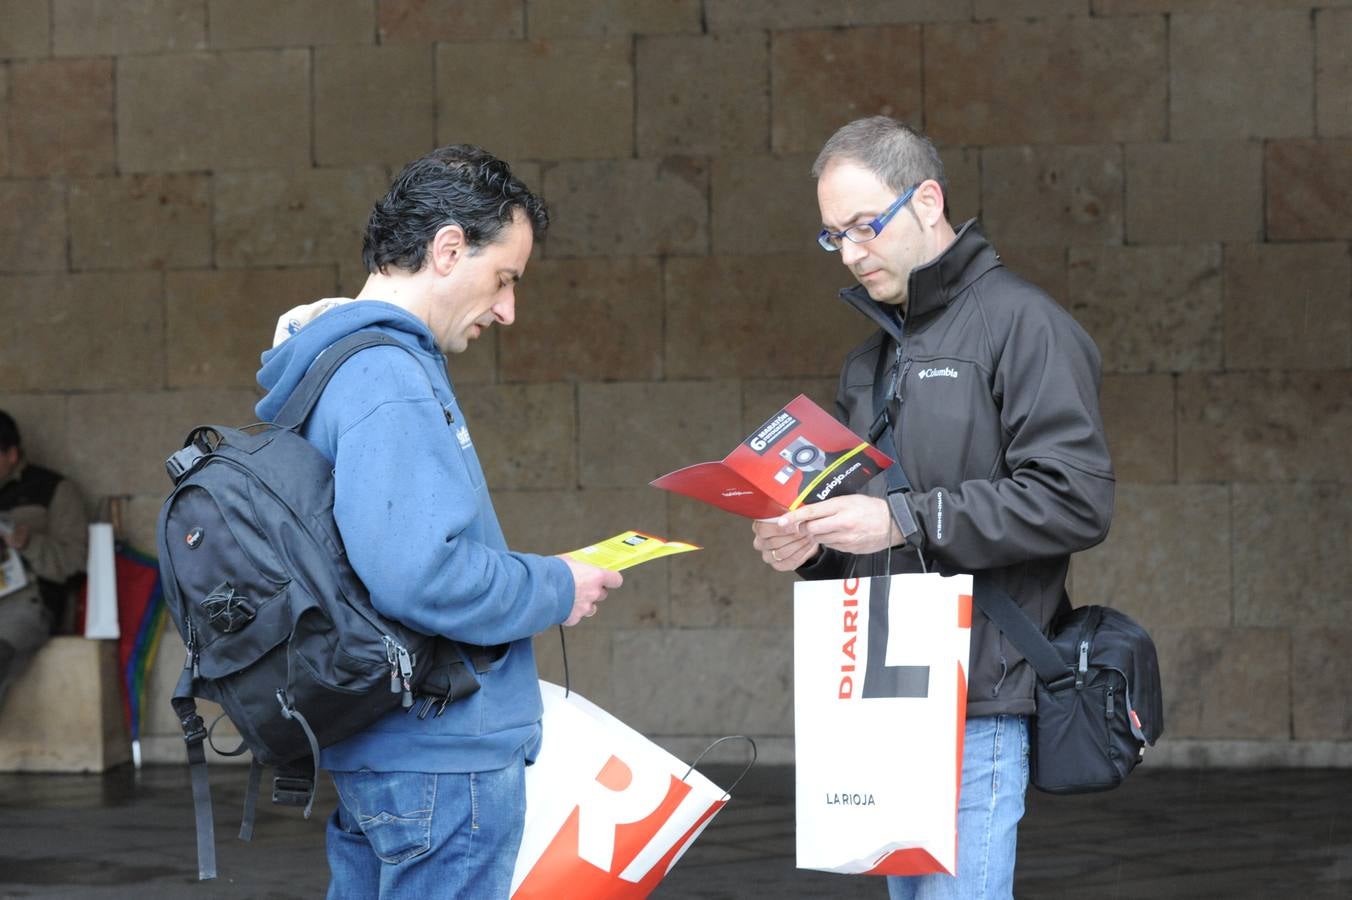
<point>930,207</point>
<point>447,247</point>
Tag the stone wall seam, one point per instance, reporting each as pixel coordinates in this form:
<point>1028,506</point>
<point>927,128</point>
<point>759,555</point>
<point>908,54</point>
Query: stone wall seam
<point>633,94</point>
<point>1314,75</point>
<point>313,99</point>
<point>1168,76</point>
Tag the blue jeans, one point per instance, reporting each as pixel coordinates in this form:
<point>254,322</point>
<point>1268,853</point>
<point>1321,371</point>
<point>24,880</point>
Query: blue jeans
<point>994,781</point>
<point>422,834</point>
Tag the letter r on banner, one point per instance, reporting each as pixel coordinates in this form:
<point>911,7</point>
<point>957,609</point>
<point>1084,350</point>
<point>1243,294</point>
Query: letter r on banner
<point>616,822</point>
<point>620,796</point>
<point>608,813</point>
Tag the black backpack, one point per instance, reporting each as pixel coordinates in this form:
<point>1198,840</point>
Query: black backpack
<point>278,628</point>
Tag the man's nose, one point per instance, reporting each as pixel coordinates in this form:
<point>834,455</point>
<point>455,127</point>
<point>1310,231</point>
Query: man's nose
<point>851,253</point>
<point>505,311</point>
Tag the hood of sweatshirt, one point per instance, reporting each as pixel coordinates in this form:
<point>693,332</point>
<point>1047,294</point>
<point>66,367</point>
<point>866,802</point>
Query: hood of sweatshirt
<point>286,364</point>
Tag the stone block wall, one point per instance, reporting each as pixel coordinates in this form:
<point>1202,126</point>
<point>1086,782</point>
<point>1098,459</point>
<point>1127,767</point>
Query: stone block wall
<point>176,173</point>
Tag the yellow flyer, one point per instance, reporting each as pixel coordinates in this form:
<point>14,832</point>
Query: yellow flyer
<point>629,548</point>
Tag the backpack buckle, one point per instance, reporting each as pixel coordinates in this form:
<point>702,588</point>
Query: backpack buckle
<point>194,729</point>
<point>292,790</point>
<point>881,422</point>
<point>182,462</point>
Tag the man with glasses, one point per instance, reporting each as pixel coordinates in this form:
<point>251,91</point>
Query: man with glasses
<point>986,392</point>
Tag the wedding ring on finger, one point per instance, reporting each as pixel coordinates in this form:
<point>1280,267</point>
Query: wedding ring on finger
<point>774,554</point>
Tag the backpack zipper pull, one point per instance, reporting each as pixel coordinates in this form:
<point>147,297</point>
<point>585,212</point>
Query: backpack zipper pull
<point>1109,711</point>
<point>1084,665</point>
<point>405,674</point>
<point>190,662</point>
<point>392,659</point>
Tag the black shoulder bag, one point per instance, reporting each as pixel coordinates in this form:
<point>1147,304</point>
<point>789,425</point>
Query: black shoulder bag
<point>1099,703</point>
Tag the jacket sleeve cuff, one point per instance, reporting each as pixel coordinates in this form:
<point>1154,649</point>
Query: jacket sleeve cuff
<point>905,519</point>
<point>564,588</point>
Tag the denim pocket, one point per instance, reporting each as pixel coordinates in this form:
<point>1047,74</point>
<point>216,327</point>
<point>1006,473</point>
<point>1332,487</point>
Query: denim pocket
<point>393,809</point>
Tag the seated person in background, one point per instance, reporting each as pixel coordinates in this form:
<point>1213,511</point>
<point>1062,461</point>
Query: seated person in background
<point>43,521</point>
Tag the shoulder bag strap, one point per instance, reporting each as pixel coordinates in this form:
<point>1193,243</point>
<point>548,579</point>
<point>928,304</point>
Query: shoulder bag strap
<point>1022,632</point>
<point>882,433</point>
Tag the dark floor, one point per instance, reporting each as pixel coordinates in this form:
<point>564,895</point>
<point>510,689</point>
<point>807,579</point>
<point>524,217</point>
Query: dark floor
<point>1165,834</point>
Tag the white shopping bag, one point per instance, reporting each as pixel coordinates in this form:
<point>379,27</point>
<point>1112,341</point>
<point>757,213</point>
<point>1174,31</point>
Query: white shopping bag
<point>101,584</point>
<point>608,812</point>
<point>880,697</point>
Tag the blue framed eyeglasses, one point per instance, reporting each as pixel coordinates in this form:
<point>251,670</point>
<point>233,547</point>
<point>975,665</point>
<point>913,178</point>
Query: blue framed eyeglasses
<point>830,241</point>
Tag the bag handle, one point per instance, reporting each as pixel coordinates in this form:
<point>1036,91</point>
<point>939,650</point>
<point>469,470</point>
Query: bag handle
<point>563,648</point>
<point>738,779</point>
<point>303,399</point>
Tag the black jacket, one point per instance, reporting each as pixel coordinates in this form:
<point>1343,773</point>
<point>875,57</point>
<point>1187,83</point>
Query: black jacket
<point>999,433</point>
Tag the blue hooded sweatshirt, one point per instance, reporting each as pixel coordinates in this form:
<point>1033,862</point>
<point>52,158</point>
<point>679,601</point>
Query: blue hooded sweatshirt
<point>420,531</point>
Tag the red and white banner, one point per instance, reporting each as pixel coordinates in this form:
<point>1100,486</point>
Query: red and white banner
<point>880,700</point>
<point>608,812</point>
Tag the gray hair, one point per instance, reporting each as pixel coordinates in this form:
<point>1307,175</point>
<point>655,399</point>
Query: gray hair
<point>897,153</point>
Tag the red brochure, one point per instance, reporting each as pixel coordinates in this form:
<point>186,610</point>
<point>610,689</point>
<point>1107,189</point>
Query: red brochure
<point>800,455</point>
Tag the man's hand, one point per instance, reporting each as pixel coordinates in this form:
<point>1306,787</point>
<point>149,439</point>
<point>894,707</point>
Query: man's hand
<point>855,523</point>
<point>18,537</point>
<point>590,586</point>
<point>782,547</point>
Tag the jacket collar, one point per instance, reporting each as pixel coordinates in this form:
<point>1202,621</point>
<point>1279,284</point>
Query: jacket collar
<point>935,284</point>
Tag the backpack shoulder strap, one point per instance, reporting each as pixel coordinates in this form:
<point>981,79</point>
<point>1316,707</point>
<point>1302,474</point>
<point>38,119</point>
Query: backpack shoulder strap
<point>303,399</point>
<point>194,734</point>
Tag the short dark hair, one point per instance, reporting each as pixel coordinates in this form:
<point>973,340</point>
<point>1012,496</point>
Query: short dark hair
<point>898,154</point>
<point>9,432</point>
<point>455,185</point>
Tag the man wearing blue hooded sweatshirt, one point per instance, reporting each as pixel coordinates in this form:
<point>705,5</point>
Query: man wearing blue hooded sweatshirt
<point>434,806</point>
